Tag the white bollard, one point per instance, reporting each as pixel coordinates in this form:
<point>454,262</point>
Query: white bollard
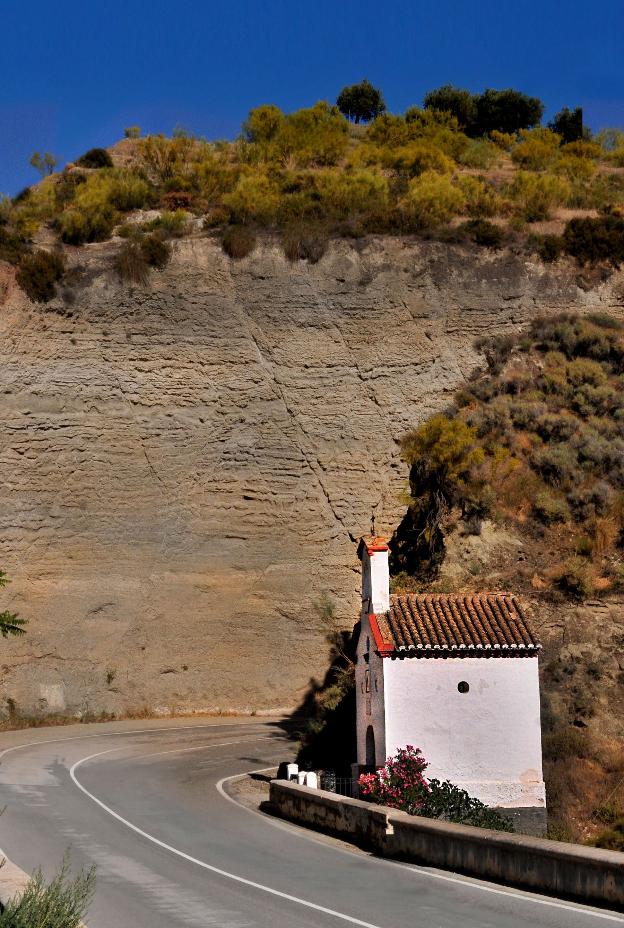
<point>311,780</point>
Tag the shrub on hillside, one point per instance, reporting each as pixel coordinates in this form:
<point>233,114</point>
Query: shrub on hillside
<point>593,240</point>
<point>39,273</point>
<point>484,233</point>
<point>480,198</point>
<point>536,152</point>
<point>156,251</point>
<point>550,509</point>
<point>574,579</point>
<point>535,195</point>
<point>359,191</point>
<point>556,465</point>
<point>95,158</point>
<point>479,153</point>
<point>12,246</point>
<point>255,198</point>
<point>172,224</point>
<point>418,157</point>
<point>432,199</point>
<point>302,243</point>
<point>131,264</point>
<point>238,241</point>
<point>93,225</point>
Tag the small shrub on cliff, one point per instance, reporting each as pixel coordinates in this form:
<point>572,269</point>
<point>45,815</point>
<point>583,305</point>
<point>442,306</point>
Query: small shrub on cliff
<point>593,240</point>
<point>12,246</point>
<point>95,158</point>
<point>484,233</point>
<point>131,263</point>
<point>550,509</point>
<point>94,225</point>
<point>302,243</point>
<point>39,273</point>
<point>155,251</point>
<point>432,199</point>
<point>574,580</point>
<point>238,241</point>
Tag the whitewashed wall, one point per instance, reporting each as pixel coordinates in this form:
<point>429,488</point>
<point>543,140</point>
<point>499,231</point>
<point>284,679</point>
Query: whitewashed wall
<point>376,694</point>
<point>487,740</point>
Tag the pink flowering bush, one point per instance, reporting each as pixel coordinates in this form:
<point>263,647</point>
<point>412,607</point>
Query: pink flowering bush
<point>400,784</point>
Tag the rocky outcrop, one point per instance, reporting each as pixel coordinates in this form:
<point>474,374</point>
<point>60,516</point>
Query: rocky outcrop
<point>188,465</point>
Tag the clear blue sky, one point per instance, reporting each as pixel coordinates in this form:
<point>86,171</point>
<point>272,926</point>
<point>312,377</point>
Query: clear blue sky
<point>74,73</point>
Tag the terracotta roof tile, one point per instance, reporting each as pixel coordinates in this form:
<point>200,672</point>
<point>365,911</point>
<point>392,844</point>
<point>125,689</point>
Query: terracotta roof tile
<point>460,623</point>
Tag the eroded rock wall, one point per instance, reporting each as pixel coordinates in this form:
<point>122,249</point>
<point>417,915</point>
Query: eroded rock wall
<point>187,466</point>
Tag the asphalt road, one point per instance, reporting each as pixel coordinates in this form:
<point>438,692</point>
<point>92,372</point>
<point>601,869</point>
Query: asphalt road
<point>140,800</point>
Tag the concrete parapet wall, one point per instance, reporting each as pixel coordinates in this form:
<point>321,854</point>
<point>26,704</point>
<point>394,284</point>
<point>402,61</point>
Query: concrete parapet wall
<point>553,867</point>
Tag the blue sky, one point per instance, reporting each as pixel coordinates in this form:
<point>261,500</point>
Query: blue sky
<point>74,73</point>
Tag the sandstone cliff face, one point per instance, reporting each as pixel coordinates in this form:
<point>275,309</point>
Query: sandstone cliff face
<point>187,466</point>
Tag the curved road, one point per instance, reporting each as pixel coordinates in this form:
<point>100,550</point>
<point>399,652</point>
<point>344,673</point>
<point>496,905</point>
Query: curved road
<point>141,801</point>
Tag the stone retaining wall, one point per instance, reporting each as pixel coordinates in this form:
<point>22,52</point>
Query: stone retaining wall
<point>553,867</point>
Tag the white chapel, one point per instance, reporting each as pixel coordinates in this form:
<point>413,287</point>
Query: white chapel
<point>457,676</point>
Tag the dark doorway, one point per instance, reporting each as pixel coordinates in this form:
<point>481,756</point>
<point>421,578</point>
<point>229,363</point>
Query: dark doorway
<point>370,747</point>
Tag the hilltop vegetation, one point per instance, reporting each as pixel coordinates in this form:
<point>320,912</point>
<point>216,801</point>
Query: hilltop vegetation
<point>536,443</point>
<point>463,167</point>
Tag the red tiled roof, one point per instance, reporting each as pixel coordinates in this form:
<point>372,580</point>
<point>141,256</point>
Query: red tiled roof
<point>421,624</point>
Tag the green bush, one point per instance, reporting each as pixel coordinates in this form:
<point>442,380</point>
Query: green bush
<point>556,465</point>
<point>535,195</point>
<point>549,247</point>
<point>128,191</point>
<point>302,243</point>
<point>96,225</point>
<point>12,246</point>
<point>417,157</point>
<point>479,153</point>
<point>95,158</point>
<point>238,241</point>
<point>484,233</point>
<point>173,224</point>
<point>255,198</point>
<point>593,240</point>
<point>550,509</point>
<point>131,264</point>
<point>155,251</point>
<point>39,273</point>
<point>352,192</point>
<point>432,199</point>
<point>574,580</point>
<point>446,801</point>
<point>61,903</point>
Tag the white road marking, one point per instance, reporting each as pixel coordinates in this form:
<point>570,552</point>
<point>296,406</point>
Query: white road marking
<point>301,832</point>
<point>463,881</point>
<point>115,734</point>
<point>202,863</point>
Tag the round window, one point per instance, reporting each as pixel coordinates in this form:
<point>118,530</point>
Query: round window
<point>463,687</point>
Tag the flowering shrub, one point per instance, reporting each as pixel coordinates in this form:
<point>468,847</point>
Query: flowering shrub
<point>401,785</point>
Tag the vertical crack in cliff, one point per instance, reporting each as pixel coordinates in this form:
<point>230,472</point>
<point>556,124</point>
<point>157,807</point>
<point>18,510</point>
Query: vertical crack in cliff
<point>313,462</point>
<point>130,406</point>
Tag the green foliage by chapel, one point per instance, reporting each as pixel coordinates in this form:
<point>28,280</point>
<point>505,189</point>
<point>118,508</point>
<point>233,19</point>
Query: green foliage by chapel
<point>536,442</point>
